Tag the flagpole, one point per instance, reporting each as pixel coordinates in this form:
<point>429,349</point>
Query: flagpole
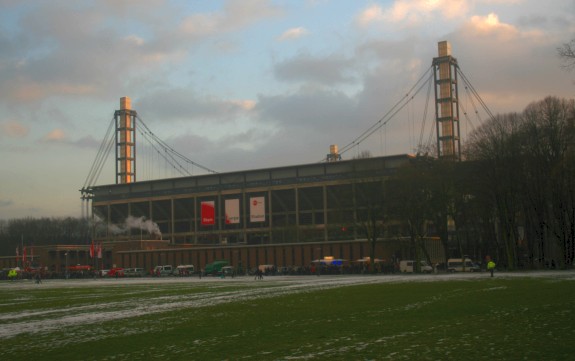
<point>23,252</point>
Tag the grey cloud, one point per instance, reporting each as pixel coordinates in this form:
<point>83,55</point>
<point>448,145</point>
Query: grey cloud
<point>533,20</point>
<point>329,70</point>
<point>78,50</point>
<point>185,104</point>
<point>6,202</point>
<point>385,50</point>
<point>87,142</point>
<point>311,108</point>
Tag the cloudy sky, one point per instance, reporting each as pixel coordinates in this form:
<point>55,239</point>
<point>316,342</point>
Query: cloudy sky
<point>246,84</point>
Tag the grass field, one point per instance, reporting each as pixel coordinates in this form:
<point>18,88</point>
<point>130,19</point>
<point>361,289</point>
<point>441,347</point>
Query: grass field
<point>438,317</point>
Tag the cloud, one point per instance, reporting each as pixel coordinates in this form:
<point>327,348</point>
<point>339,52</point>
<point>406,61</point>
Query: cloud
<point>54,136</point>
<point>235,15</point>
<point>310,107</point>
<point>326,70</point>
<point>77,50</point>
<point>87,142</point>
<point>6,202</point>
<point>186,104</point>
<point>413,12</point>
<point>14,129</point>
<point>245,104</point>
<point>96,49</point>
<point>373,13</point>
<point>293,33</point>
<point>490,25</point>
<point>134,39</point>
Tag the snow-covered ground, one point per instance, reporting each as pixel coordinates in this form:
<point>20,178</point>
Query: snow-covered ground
<point>53,318</point>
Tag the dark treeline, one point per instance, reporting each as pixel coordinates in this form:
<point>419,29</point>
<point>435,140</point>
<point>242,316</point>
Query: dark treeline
<point>41,232</point>
<point>512,199</point>
<point>525,175</point>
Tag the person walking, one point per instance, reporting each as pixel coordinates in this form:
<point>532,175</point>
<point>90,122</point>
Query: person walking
<point>491,267</point>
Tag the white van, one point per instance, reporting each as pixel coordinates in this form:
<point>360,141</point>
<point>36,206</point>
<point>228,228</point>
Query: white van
<point>408,266</point>
<point>184,270</point>
<point>461,265</point>
<point>163,271</point>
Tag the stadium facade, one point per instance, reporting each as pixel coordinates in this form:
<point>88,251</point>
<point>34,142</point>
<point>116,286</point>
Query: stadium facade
<point>288,216</point>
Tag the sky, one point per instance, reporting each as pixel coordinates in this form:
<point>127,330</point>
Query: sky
<point>248,84</point>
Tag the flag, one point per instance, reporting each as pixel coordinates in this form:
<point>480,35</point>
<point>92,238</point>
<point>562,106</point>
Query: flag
<point>92,250</point>
<point>24,254</point>
<point>100,250</point>
<point>17,252</point>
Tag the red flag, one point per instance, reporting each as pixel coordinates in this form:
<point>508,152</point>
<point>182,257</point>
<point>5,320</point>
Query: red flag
<point>92,250</point>
<point>24,254</point>
<point>100,250</point>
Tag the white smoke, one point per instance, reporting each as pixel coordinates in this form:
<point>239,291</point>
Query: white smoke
<point>140,223</point>
<point>143,224</point>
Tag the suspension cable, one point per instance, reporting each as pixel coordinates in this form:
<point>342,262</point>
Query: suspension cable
<point>101,156</point>
<point>390,113</point>
<point>166,147</point>
<point>475,93</point>
<point>425,114</point>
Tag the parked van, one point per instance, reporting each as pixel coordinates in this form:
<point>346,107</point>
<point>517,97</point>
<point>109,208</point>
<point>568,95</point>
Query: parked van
<point>184,270</point>
<point>461,265</point>
<point>408,266</point>
<point>163,270</point>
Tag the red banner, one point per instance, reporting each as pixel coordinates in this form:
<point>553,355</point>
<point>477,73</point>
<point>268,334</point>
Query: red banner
<point>208,213</point>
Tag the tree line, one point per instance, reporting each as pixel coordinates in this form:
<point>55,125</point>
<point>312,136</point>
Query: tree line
<point>512,198</point>
<point>41,232</point>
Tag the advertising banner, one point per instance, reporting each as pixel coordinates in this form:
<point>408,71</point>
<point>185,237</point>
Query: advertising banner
<point>208,213</point>
<point>232,211</point>
<point>257,209</point>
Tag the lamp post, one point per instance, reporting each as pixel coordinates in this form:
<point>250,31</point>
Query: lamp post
<point>66,269</point>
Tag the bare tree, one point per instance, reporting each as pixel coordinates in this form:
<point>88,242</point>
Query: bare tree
<point>409,199</point>
<point>567,54</point>
<point>497,146</point>
<point>369,217</point>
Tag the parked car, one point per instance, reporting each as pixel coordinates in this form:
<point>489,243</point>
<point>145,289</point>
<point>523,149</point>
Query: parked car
<point>134,272</point>
<point>104,272</point>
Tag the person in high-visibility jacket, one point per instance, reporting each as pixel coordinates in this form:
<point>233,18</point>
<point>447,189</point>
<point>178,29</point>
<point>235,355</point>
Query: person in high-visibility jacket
<point>491,267</point>
<point>12,274</point>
